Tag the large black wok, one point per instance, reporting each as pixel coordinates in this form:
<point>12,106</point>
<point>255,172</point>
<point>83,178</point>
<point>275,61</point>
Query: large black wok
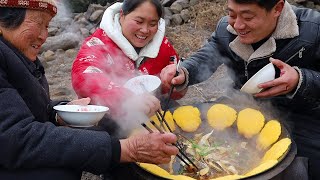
<point>283,163</point>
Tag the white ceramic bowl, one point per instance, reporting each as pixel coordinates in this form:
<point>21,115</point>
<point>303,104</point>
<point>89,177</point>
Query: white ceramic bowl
<point>143,83</point>
<point>267,73</point>
<point>81,116</point>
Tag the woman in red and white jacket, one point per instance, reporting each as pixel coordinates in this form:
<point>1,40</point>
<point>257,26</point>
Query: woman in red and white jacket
<point>130,41</point>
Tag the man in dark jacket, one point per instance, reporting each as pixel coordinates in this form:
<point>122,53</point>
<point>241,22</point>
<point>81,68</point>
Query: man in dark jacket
<point>255,32</point>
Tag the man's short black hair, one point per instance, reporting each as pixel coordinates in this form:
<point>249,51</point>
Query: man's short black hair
<point>267,4</point>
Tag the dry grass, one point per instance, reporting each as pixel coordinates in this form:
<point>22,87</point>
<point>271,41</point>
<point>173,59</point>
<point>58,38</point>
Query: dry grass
<point>189,37</point>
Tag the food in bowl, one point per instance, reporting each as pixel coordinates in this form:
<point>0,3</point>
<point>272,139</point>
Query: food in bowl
<point>81,116</point>
<point>143,83</point>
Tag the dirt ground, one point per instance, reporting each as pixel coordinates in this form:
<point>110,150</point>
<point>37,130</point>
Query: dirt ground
<point>189,37</point>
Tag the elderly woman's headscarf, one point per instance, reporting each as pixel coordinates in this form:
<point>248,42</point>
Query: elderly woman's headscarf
<point>46,5</point>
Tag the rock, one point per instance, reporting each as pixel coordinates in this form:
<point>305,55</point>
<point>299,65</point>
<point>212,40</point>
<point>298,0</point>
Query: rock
<point>52,31</point>
<point>83,21</point>
<point>79,5</point>
<point>96,16</point>
<point>183,3</point>
<point>167,3</point>
<point>300,1</point>
<point>48,56</point>
<point>167,21</point>
<point>185,15</point>
<point>193,2</point>
<point>310,4</point>
<point>92,30</point>
<point>176,19</point>
<point>71,53</point>
<point>91,9</point>
<point>84,32</point>
<point>167,13</point>
<point>176,8</point>
<point>64,41</point>
<point>78,16</point>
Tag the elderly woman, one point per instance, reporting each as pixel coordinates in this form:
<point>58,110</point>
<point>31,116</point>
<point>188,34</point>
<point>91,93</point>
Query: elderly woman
<point>32,146</point>
<point>130,41</point>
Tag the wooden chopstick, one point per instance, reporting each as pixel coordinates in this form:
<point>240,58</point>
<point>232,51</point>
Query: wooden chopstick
<point>166,107</point>
<point>162,119</point>
<point>145,126</point>
<point>157,127</point>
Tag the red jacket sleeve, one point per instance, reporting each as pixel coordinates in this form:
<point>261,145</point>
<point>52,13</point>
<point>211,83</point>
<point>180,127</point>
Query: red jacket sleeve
<point>92,74</point>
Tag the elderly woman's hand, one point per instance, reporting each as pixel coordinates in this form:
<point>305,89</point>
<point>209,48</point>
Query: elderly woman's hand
<point>286,83</point>
<point>153,148</point>
<point>167,77</point>
<point>82,101</point>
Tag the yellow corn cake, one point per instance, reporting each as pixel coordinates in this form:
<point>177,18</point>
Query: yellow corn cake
<point>277,150</point>
<point>221,116</point>
<point>269,134</point>
<point>187,118</point>
<point>250,122</point>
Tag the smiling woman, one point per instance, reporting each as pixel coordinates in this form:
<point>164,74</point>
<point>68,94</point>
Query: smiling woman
<point>130,41</point>
<point>31,34</point>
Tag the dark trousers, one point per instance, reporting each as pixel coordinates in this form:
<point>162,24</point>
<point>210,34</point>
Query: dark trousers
<point>40,174</point>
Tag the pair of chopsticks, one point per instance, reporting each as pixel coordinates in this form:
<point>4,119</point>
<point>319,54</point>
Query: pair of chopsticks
<point>161,118</point>
<point>179,148</point>
<point>166,107</point>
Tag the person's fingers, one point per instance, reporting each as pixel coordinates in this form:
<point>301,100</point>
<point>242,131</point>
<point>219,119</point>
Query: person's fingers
<point>150,104</point>
<point>274,91</point>
<point>150,148</point>
<point>82,101</point>
<point>278,63</point>
<point>60,121</point>
<point>270,84</point>
<point>167,74</point>
<point>284,84</point>
<point>179,79</point>
<point>169,138</point>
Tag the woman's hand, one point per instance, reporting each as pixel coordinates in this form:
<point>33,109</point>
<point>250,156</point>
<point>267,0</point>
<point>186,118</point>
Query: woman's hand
<point>153,148</point>
<point>145,103</point>
<point>168,79</point>
<point>286,83</point>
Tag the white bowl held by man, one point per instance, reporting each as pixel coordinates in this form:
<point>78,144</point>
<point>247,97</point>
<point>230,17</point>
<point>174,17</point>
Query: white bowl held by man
<point>81,116</point>
<point>267,73</point>
<point>144,83</point>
